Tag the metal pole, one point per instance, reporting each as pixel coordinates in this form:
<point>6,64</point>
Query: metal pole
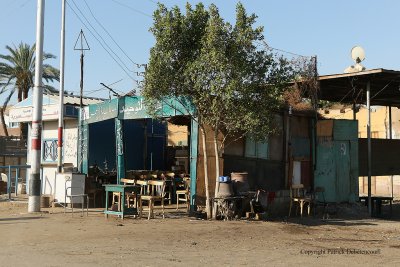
<point>36,136</point>
<point>286,155</point>
<point>16,180</point>
<point>81,114</point>
<point>390,137</point>
<point>354,112</point>
<point>9,182</point>
<point>369,146</point>
<point>390,122</point>
<point>61,92</point>
<point>81,93</point>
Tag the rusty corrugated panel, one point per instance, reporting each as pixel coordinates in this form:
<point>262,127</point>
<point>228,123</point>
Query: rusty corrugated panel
<point>325,128</point>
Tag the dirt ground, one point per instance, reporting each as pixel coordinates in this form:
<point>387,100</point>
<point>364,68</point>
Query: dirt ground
<point>51,238</point>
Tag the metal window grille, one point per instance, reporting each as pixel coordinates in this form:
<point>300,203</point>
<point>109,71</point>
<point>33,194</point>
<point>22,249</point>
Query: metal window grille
<point>50,150</point>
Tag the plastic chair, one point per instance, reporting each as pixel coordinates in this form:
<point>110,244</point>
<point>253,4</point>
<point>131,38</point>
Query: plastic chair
<point>4,177</point>
<point>74,192</point>
<point>297,195</point>
<point>4,181</point>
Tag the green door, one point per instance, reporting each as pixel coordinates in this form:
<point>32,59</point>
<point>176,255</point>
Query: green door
<point>325,173</point>
<point>342,158</point>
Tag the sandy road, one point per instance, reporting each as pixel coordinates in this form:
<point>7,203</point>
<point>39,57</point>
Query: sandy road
<point>48,239</point>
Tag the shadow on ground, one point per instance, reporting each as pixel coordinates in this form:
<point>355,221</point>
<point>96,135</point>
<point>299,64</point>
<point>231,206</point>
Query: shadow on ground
<point>13,219</point>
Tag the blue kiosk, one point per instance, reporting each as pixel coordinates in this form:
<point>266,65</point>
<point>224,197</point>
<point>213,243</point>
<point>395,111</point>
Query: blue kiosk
<point>123,130</point>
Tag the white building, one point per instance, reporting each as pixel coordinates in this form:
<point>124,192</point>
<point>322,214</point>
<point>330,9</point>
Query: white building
<point>22,112</point>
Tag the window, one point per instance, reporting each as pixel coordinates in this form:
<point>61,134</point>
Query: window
<point>256,149</point>
<point>50,150</point>
<point>13,124</point>
<point>374,134</point>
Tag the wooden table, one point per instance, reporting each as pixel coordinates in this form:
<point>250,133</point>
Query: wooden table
<point>122,189</point>
<point>376,203</point>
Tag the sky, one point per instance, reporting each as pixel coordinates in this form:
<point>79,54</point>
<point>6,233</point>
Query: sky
<point>327,29</point>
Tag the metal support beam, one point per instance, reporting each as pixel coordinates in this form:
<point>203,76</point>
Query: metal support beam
<point>390,123</point>
<point>119,134</point>
<point>390,137</point>
<point>369,146</point>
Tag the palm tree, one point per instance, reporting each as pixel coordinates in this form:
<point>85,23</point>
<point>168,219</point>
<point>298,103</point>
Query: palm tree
<point>17,72</point>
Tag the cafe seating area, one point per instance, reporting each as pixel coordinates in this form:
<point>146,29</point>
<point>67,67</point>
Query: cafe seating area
<point>140,193</point>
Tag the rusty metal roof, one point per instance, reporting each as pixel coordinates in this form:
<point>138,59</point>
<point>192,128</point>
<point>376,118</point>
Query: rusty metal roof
<point>351,87</point>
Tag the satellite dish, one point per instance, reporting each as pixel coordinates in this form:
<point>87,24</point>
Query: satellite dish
<point>357,54</point>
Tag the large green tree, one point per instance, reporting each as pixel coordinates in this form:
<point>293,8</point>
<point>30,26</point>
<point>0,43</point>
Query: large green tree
<point>17,69</point>
<point>234,85</point>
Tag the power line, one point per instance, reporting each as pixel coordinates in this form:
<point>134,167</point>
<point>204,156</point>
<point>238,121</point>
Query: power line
<point>84,24</point>
<point>12,10</point>
<point>115,42</point>
<point>103,88</point>
<point>281,50</point>
<point>131,8</point>
<point>121,61</point>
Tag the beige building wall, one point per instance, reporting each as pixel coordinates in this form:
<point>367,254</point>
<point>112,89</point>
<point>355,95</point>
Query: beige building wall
<point>177,135</point>
<point>380,128</point>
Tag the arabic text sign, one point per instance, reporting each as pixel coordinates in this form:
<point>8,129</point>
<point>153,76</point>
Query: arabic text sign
<point>24,114</point>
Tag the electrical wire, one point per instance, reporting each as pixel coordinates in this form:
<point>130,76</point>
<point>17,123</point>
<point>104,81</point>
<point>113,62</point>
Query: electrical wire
<point>382,89</point>
<point>103,88</point>
<point>99,35</point>
<point>108,33</point>
<point>12,10</point>
<point>84,24</point>
<point>281,50</point>
<point>131,8</point>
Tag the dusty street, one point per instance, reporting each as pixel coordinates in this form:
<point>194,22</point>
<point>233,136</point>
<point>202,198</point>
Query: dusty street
<point>55,239</point>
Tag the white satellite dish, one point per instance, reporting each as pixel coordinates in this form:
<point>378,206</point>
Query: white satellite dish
<point>357,54</point>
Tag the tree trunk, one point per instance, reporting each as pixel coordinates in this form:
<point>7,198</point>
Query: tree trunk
<point>3,122</point>
<point>20,95</point>
<point>217,172</point>
<point>208,207</point>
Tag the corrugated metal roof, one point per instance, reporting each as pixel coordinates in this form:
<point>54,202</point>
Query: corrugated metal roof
<point>52,99</point>
<point>351,87</point>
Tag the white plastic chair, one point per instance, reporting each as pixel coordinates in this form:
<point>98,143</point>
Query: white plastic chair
<point>69,192</point>
<point>4,177</point>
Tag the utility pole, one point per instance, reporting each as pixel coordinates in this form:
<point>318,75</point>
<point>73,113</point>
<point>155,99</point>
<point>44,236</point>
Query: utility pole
<point>83,46</point>
<point>61,92</point>
<point>36,133</point>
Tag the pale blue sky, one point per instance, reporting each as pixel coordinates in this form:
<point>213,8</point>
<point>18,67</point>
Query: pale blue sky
<point>328,29</point>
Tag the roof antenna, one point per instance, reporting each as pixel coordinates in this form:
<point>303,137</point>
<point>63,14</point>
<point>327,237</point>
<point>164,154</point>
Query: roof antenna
<point>81,46</point>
